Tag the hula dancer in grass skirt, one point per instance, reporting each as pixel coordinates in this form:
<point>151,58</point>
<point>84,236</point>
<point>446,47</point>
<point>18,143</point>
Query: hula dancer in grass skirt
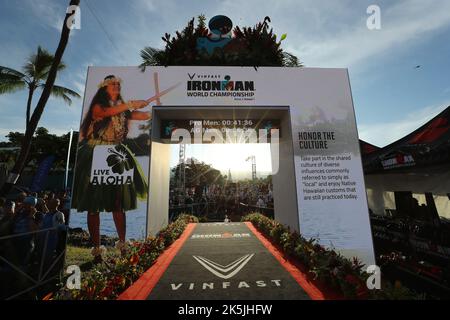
<point>106,123</point>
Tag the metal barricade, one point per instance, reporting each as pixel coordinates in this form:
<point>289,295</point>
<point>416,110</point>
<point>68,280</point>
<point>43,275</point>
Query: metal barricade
<point>21,274</point>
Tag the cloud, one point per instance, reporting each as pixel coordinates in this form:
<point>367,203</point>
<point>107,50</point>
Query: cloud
<point>149,5</point>
<point>320,33</point>
<point>47,12</point>
<point>50,14</point>
<point>78,87</point>
<point>351,44</point>
<point>150,23</point>
<point>11,121</point>
<point>384,133</point>
<point>4,132</point>
<point>77,81</point>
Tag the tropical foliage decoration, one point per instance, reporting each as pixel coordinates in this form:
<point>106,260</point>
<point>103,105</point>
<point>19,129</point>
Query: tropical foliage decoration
<point>327,268</point>
<point>250,46</point>
<point>108,280</point>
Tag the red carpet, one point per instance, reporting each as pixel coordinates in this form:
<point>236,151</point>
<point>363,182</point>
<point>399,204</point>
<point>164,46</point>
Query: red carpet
<point>302,279</point>
<point>268,275</point>
<point>145,284</point>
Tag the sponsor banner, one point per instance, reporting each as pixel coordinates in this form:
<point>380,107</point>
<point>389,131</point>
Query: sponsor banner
<point>219,86</point>
<point>330,197</point>
<point>42,174</point>
<point>227,271</point>
<point>398,161</point>
<point>111,171</point>
<point>225,235</point>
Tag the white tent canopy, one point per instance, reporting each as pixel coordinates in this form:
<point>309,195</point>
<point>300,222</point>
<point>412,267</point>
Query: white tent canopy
<point>436,180</point>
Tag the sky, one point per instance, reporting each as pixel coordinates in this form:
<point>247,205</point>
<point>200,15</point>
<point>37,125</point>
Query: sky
<point>239,165</point>
<point>391,96</point>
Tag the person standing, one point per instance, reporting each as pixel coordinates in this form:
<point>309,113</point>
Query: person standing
<point>2,203</point>
<point>24,225</point>
<point>106,123</point>
<point>54,223</point>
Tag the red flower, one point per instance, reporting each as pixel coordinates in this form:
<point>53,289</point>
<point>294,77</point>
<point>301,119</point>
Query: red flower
<point>362,292</point>
<point>118,280</point>
<point>352,279</point>
<point>435,270</point>
<point>107,291</point>
<point>134,260</point>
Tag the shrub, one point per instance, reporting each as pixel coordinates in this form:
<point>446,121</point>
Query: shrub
<point>325,265</point>
<point>108,280</point>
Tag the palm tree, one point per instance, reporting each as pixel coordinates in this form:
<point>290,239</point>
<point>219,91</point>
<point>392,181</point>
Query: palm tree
<point>33,76</point>
<point>47,90</point>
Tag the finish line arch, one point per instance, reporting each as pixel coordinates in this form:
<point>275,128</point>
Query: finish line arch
<point>282,154</point>
<point>319,186</point>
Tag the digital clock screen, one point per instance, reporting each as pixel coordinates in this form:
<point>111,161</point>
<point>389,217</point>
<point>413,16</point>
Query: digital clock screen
<point>223,125</point>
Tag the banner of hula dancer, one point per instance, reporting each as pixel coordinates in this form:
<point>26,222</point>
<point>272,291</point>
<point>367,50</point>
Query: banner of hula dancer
<point>111,172</point>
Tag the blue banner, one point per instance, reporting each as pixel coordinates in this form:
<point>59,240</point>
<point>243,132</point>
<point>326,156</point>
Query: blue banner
<point>42,173</point>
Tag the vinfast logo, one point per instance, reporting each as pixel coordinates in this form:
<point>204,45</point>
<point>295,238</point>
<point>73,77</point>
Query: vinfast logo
<point>224,272</point>
<point>212,85</point>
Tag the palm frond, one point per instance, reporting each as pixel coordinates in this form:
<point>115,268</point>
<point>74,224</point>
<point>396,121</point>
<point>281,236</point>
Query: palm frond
<point>290,60</point>
<point>11,86</point>
<point>61,66</point>
<point>65,93</point>
<point>150,57</point>
<point>39,64</point>
<point>11,80</point>
<point>5,71</point>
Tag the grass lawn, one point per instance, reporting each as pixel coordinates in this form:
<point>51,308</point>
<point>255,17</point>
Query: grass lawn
<point>78,256</point>
<point>82,257</point>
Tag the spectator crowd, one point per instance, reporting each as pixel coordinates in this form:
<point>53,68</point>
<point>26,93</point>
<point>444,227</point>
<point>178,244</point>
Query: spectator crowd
<point>229,199</point>
<point>33,230</point>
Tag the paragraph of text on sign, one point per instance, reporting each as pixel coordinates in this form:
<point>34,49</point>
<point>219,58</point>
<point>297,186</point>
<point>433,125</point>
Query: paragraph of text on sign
<point>327,178</point>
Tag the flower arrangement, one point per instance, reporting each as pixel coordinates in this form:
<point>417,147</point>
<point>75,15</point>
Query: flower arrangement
<point>325,266</point>
<point>108,280</point>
